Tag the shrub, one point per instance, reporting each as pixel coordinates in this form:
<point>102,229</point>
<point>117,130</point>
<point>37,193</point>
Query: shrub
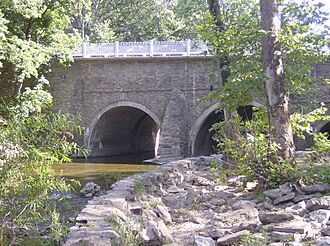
<point>41,138</point>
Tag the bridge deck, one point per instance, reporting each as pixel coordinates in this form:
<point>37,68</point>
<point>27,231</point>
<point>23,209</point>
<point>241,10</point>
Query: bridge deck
<point>142,49</point>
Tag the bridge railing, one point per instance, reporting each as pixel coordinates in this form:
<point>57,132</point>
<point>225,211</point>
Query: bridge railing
<point>143,49</point>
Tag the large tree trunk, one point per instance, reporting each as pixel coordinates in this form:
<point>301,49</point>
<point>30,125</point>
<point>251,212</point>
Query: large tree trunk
<point>273,68</point>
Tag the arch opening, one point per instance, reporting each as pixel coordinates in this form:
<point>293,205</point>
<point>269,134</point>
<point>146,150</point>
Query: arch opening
<point>204,143</point>
<point>124,131</point>
<point>326,129</point>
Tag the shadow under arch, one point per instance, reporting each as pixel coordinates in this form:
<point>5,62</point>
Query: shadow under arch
<point>324,127</point>
<point>124,128</point>
<point>201,141</point>
<point>201,138</point>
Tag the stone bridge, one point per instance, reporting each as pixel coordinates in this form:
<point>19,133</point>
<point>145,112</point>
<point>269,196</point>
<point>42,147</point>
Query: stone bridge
<point>140,98</point>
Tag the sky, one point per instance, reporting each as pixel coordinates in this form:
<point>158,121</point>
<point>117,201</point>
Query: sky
<point>326,7</point>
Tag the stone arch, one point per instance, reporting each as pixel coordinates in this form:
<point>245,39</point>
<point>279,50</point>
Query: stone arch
<point>324,127</point>
<point>123,128</point>
<point>206,120</point>
<point>202,145</point>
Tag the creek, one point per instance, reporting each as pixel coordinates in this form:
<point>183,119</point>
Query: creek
<point>98,170</point>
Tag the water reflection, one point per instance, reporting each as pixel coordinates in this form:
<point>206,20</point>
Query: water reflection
<point>104,174</point>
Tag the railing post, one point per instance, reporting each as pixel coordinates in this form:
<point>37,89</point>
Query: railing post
<point>151,47</point>
<point>116,48</point>
<point>188,47</point>
<point>84,49</point>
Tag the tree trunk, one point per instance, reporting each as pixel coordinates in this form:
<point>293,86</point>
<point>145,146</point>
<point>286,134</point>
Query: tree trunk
<point>279,119</point>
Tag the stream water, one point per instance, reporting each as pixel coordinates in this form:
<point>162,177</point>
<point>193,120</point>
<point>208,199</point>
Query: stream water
<point>98,171</point>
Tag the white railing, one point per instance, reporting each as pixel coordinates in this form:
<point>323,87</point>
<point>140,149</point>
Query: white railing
<point>143,49</point>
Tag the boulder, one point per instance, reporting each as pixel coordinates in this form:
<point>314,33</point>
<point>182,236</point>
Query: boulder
<point>297,209</point>
<point>162,212</point>
<point>301,227</point>
<point>274,217</point>
<point>90,189</point>
<point>321,216</point>
<point>203,241</point>
<point>286,198</point>
<point>318,203</point>
<point>324,241</point>
<point>243,204</point>
<point>316,188</point>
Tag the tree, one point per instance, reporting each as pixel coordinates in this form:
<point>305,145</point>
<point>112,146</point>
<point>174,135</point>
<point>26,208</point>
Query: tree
<point>277,100</point>
<point>35,33</point>
<point>223,61</point>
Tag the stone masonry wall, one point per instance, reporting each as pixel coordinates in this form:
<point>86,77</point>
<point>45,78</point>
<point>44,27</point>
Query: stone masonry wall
<point>90,85</point>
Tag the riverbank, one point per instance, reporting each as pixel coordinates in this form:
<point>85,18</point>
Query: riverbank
<point>182,204</point>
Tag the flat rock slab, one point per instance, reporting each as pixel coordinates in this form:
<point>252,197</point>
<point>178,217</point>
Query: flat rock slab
<point>203,241</point>
<point>232,238</point>
<point>301,227</point>
<point>318,203</point>
<point>274,217</point>
<point>286,198</point>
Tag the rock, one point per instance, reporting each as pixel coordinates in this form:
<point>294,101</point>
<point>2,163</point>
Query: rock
<point>216,233</point>
<point>316,188</point>
<point>301,227</point>
<point>235,217</point>
<point>218,201</point>
<point>326,231</point>
<point>276,236</point>
<point>232,238</point>
<point>90,189</point>
<point>163,213</point>
<point>321,216</point>
<point>236,181</point>
<point>285,198</point>
<point>265,206</point>
<point>299,198</point>
<point>174,189</point>
<point>253,226</point>
<point>298,209</point>
<point>318,203</point>
<point>243,204</point>
<point>198,180</point>
<point>149,237</point>
<point>162,232</point>
<point>273,193</point>
<point>223,195</point>
<point>279,192</point>
<point>323,241</point>
<point>203,241</point>
<point>136,208</point>
<point>174,202</point>
<point>193,197</point>
<point>274,217</point>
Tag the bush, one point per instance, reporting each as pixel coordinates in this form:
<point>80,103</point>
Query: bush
<point>40,138</point>
<point>256,156</point>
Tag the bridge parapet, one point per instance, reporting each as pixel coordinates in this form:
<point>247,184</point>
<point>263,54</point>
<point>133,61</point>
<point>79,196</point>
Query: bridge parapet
<point>142,49</point>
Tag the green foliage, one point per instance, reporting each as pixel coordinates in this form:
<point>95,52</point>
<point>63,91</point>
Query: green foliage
<point>256,156</point>
<point>32,34</point>
<point>136,20</point>
<point>127,235</point>
<point>302,127</point>
<point>251,240</point>
<point>239,42</point>
<point>30,141</point>
<point>139,186</point>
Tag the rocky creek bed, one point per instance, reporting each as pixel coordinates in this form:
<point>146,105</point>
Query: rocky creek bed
<point>182,204</point>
